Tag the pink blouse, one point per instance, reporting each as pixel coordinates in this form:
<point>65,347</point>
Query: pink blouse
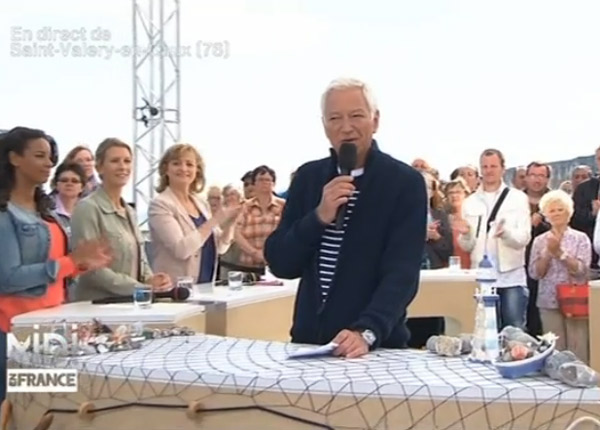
<point>576,245</point>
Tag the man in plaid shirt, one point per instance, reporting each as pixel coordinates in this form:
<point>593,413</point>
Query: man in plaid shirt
<point>259,218</point>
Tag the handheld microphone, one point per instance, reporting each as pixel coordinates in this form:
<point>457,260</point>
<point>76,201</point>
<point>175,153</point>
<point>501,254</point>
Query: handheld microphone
<point>177,294</point>
<point>347,160</point>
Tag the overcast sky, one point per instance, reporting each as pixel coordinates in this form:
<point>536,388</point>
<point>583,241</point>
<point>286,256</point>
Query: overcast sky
<point>451,77</point>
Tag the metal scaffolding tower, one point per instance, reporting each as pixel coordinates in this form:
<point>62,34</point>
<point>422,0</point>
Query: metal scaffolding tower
<point>156,93</point>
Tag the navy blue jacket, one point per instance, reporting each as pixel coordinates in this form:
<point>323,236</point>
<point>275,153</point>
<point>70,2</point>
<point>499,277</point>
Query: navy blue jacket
<point>377,274</point>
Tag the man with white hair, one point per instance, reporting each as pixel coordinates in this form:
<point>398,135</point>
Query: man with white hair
<point>357,281</point>
<point>579,175</point>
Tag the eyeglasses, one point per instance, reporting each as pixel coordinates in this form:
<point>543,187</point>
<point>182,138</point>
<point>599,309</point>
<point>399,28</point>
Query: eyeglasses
<point>69,180</point>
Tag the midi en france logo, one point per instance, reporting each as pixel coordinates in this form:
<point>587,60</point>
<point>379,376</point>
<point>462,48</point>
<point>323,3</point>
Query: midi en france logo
<point>42,380</point>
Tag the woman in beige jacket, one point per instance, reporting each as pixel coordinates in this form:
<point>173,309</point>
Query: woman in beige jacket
<point>186,239</point>
<point>104,214</point>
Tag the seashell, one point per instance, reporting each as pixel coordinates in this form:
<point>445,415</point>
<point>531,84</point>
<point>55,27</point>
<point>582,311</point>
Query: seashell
<point>510,333</point>
<point>431,344</point>
<point>519,352</point>
<point>577,374</point>
<point>448,346</point>
<point>101,339</point>
<point>466,343</point>
<point>102,348</point>
<point>122,330</point>
<point>556,360</point>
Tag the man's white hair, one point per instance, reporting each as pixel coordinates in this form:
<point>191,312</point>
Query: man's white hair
<point>347,84</point>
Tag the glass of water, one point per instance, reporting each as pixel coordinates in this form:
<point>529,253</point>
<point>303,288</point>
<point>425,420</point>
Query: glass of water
<point>454,263</point>
<point>235,280</point>
<point>185,282</point>
<point>142,296</point>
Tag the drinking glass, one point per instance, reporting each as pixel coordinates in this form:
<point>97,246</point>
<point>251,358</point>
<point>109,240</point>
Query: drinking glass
<point>235,280</point>
<point>185,282</point>
<point>454,263</point>
<point>142,296</point>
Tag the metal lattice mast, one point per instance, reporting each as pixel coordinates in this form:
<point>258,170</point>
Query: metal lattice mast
<point>156,93</point>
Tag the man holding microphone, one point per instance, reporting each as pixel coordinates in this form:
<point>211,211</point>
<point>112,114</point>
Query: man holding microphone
<point>353,230</point>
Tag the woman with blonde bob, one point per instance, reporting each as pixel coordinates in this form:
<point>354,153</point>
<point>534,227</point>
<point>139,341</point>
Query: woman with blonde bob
<point>561,256</point>
<point>186,238</point>
<point>104,215</point>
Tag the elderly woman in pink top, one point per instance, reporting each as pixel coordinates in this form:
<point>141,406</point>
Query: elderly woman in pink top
<point>560,256</point>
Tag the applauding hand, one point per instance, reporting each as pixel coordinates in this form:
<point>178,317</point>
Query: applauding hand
<point>432,231</point>
<point>161,282</point>
<point>553,245</point>
<point>536,219</point>
<point>92,254</point>
<point>227,214</point>
<point>461,226</point>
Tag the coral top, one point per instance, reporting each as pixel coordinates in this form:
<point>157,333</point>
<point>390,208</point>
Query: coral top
<point>465,257</point>
<point>12,305</point>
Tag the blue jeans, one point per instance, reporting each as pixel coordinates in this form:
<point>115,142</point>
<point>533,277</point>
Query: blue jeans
<point>3,360</point>
<point>512,307</point>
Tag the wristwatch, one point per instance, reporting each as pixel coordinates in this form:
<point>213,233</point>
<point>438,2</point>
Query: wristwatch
<point>369,337</point>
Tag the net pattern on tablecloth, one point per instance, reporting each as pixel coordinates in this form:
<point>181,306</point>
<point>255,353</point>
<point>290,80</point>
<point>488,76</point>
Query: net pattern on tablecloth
<point>252,368</point>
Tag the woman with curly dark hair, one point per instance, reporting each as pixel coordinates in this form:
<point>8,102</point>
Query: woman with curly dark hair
<point>36,260</point>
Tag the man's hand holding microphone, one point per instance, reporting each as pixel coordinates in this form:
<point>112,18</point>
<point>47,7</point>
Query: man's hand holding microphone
<point>336,193</point>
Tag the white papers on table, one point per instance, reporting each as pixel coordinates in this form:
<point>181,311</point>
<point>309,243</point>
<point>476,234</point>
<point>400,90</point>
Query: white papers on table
<point>310,352</point>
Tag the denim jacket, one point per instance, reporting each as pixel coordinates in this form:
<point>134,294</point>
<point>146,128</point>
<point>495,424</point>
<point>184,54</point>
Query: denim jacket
<point>24,247</point>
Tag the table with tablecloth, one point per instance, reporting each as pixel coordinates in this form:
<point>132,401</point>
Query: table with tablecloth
<point>212,382</point>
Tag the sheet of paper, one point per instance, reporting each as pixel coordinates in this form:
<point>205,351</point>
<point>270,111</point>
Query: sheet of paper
<point>309,352</point>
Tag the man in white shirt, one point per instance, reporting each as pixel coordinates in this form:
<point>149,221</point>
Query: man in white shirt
<point>502,236</point>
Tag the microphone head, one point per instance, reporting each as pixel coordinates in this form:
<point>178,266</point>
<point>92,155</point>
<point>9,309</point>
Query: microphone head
<point>347,156</point>
<point>179,294</point>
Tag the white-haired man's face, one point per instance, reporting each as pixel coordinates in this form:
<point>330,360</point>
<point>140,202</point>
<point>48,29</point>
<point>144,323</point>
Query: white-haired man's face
<point>579,175</point>
<point>347,118</point>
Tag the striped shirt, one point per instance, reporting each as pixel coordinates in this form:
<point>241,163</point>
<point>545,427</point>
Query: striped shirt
<point>331,242</point>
